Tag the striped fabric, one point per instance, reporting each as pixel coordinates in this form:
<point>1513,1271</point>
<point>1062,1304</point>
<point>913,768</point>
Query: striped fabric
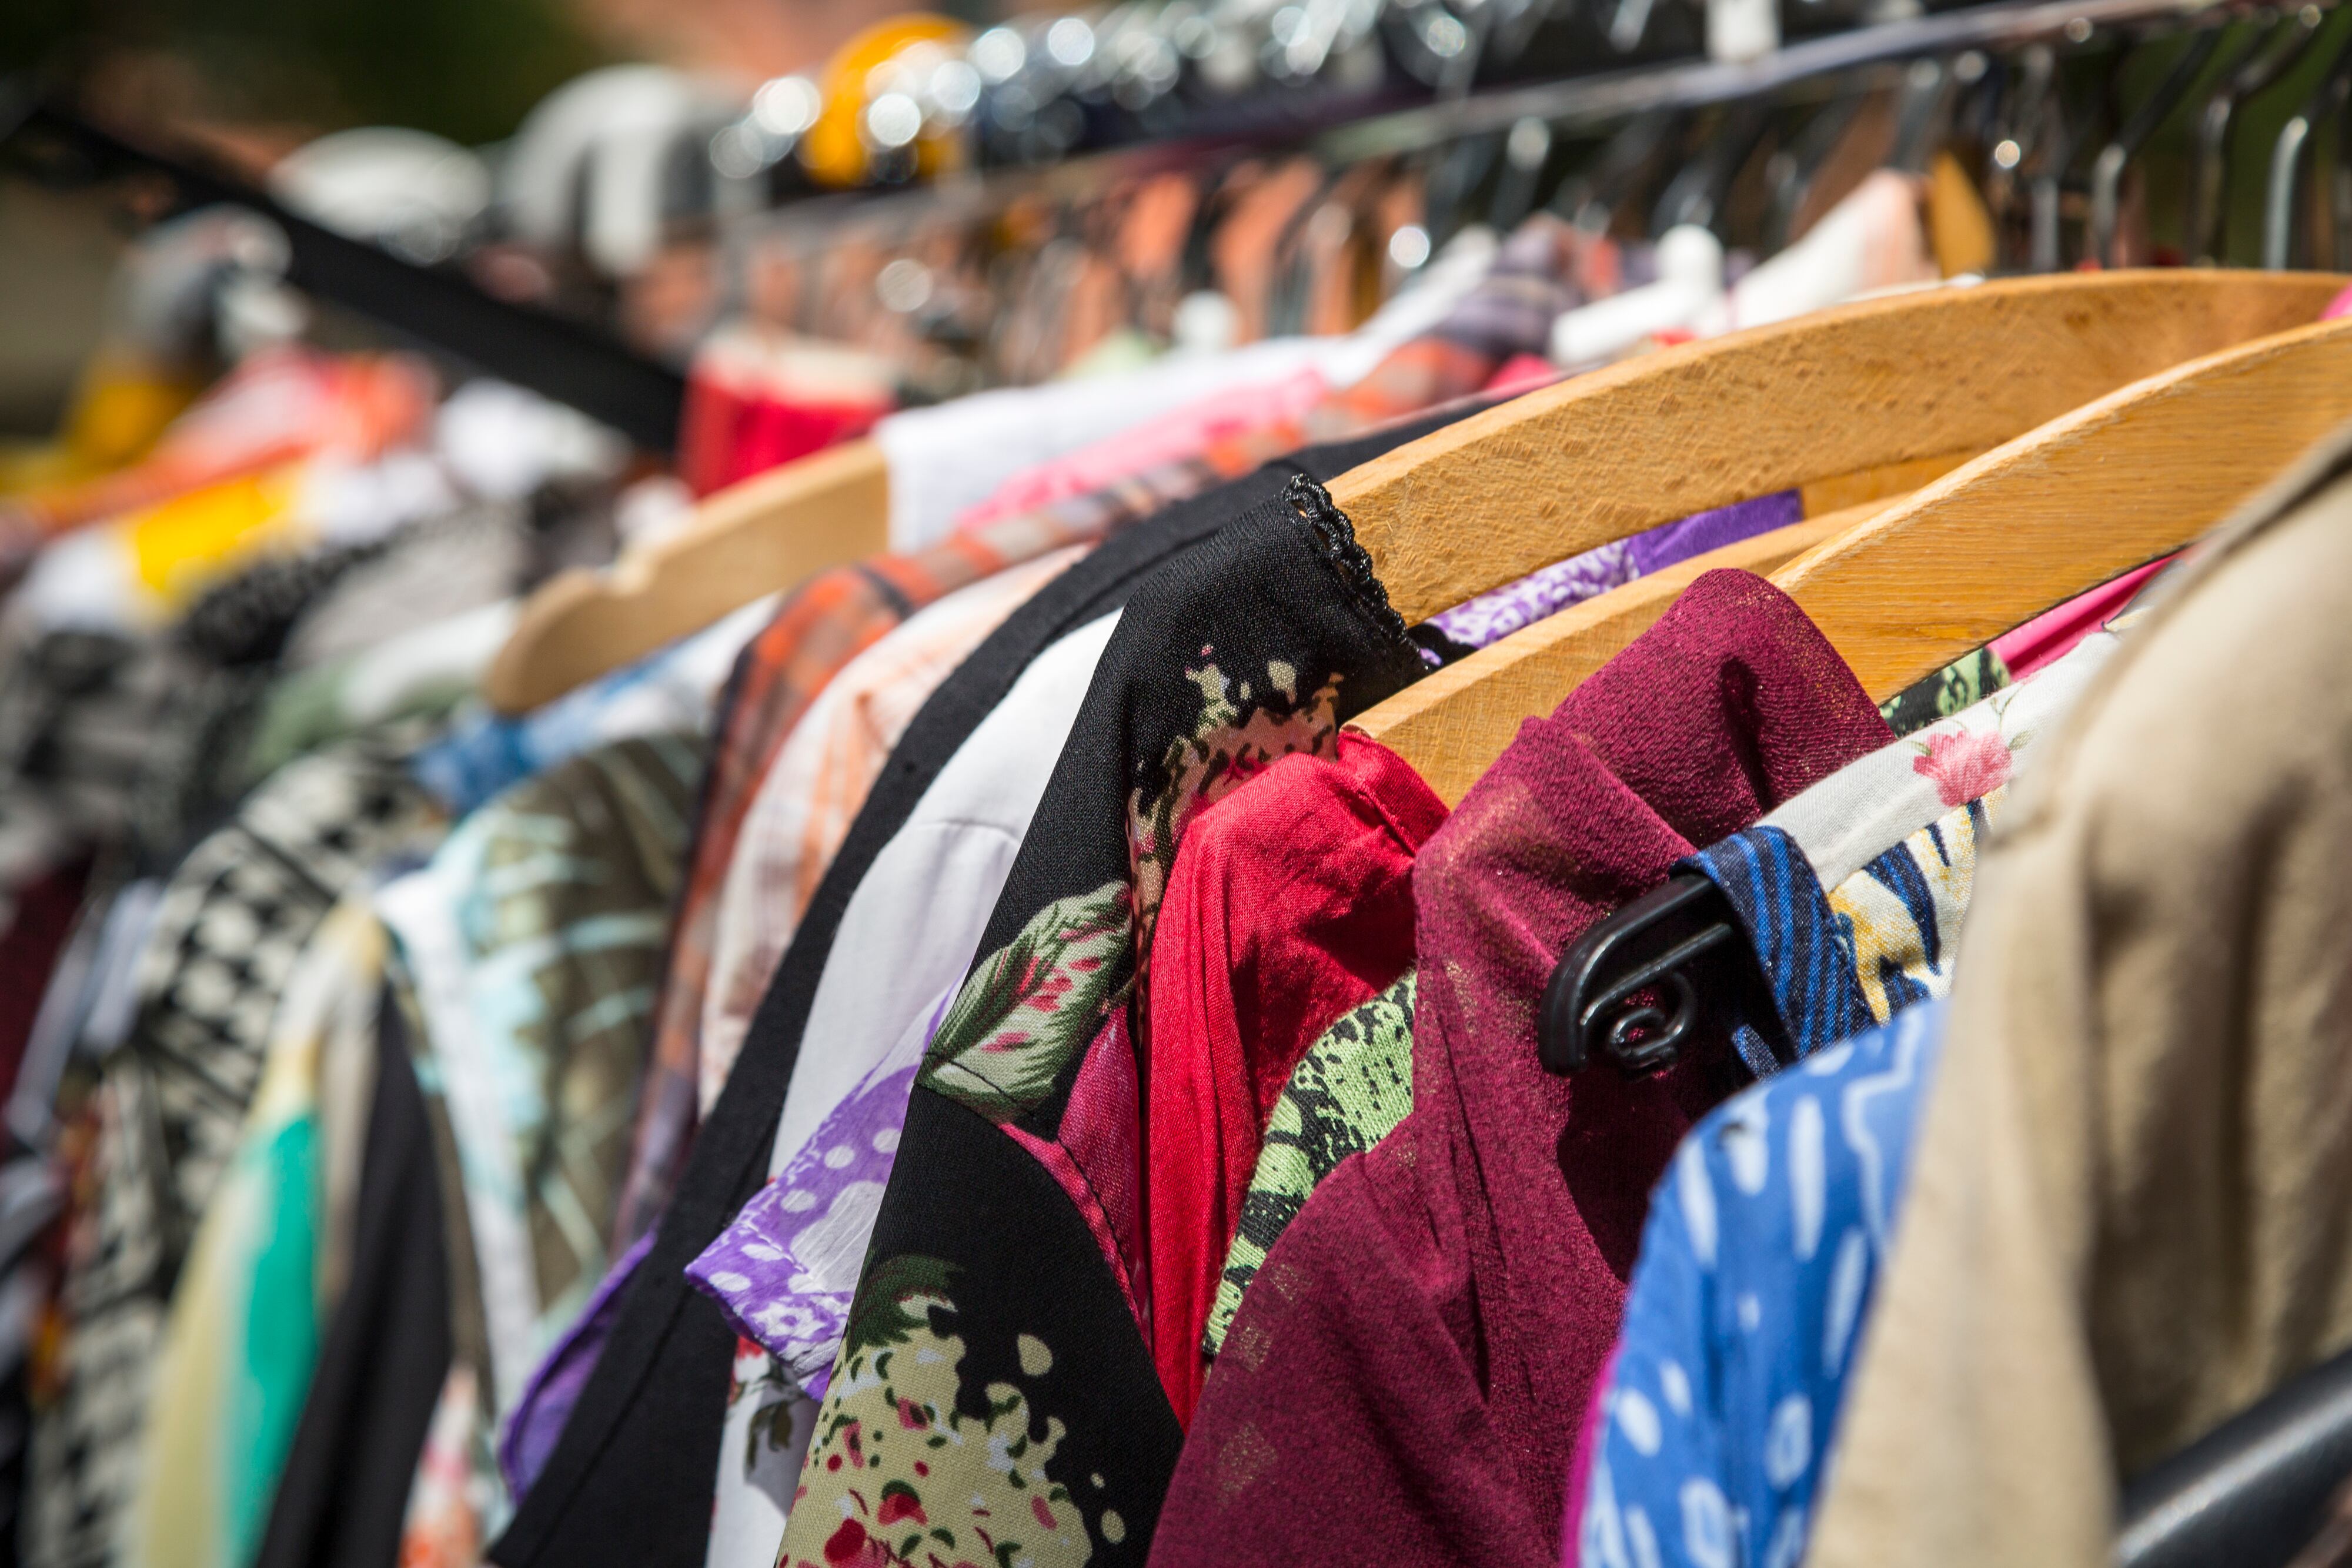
<point>1840,961</point>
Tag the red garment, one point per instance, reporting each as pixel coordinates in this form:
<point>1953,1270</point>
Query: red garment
<point>1290,902</point>
<point>1404,1383</point>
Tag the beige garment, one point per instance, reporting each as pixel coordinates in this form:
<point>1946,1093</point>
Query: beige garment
<point>2131,1214</point>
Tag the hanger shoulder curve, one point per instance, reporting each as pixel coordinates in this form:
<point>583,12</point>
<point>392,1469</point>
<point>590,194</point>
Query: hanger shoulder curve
<point>2123,480</point>
<point>1864,386</point>
<point>766,533</point>
<point>1452,723</point>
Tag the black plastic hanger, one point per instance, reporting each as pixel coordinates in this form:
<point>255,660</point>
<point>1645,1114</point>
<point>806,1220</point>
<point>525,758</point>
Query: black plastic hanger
<point>1640,982</point>
<point>1922,116</point>
<point>1591,197</point>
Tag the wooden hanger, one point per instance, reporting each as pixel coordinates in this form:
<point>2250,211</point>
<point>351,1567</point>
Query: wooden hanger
<point>1903,588</point>
<point>1828,399</point>
<point>767,533</point>
<point>2129,477</point>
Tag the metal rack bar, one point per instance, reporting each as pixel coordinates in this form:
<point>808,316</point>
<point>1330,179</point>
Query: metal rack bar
<point>1597,99</point>
<point>568,361</point>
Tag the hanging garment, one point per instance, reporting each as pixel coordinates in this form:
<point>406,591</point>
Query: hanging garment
<point>383,1353</point>
<point>651,1414</point>
<point>1347,1093</point>
<point>1355,1084</point>
<point>841,612</point>
<point>819,628</point>
<point>898,941</point>
<point>669,691</point>
<point>1019,1212</point>
<point>2125,1216</point>
<point>1709,1438</point>
<point>947,459</point>
<point>534,937</point>
<point>234,917</point>
<point>422,674</point>
<point>1735,1283</point>
<point>1357,1412</point>
<point>262,1272</point>
<point>278,406</point>
<point>427,573</point>
<point>819,779</point>
<point>1547,590</point>
<point>1289,903</point>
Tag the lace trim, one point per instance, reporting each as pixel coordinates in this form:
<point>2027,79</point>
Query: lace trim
<point>1334,537</point>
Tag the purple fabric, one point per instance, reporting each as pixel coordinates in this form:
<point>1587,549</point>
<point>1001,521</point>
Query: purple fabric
<point>1410,1390</point>
<point>1669,544</point>
<point>1547,590</point>
<point>555,1387</point>
<point>785,1269</point>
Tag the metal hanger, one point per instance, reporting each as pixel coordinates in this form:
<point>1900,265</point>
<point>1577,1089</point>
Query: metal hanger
<point>2208,185</point>
<point>2290,155</point>
<point>1695,194</point>
<point>2107,169</point>
<point>1592,196</point>
<point>1790,171</point>
<point>1923,115</point>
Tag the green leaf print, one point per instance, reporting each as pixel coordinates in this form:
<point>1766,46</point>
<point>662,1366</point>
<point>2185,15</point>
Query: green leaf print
<point>1029,1010</point>
<point>891,1305</point>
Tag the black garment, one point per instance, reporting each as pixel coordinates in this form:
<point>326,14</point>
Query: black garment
<point>344,1490</point>
<point>1025,1270</point>
<point>630,1480</point>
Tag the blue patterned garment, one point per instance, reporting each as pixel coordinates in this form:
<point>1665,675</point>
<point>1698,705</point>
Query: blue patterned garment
<point>1763,1243</point>
<point>1765,1238</point>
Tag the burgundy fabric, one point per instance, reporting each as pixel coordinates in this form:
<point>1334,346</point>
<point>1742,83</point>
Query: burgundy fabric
<point>1291,902</point>
<point>1404,1381</point>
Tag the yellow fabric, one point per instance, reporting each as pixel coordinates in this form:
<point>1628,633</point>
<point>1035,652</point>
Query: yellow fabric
<point>2131,1213</point>
<point>118,411</point>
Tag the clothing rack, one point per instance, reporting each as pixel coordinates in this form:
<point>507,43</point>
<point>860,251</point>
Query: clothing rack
<point>586,367</point>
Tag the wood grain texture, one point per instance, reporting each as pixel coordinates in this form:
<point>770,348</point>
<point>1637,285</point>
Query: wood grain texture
<point>1865,386</point>
<point>2129,477</point>
<point>765,534</point>
<point>1452,723</point>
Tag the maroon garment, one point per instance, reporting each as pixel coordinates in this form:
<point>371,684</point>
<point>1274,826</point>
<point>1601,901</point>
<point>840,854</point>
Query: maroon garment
<point>1405,1380</point>
<point>43,919</point>
<point>1290,904</point>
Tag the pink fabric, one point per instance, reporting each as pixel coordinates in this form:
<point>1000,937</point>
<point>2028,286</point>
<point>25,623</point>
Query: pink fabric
<point>1170,438</point>
<point>1405,1382</point>
<point>1521,372</point>
<point>1579,1463</point>
<point>2051,636</point>
<point>2340,306</point>
<point>1290,902</point>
